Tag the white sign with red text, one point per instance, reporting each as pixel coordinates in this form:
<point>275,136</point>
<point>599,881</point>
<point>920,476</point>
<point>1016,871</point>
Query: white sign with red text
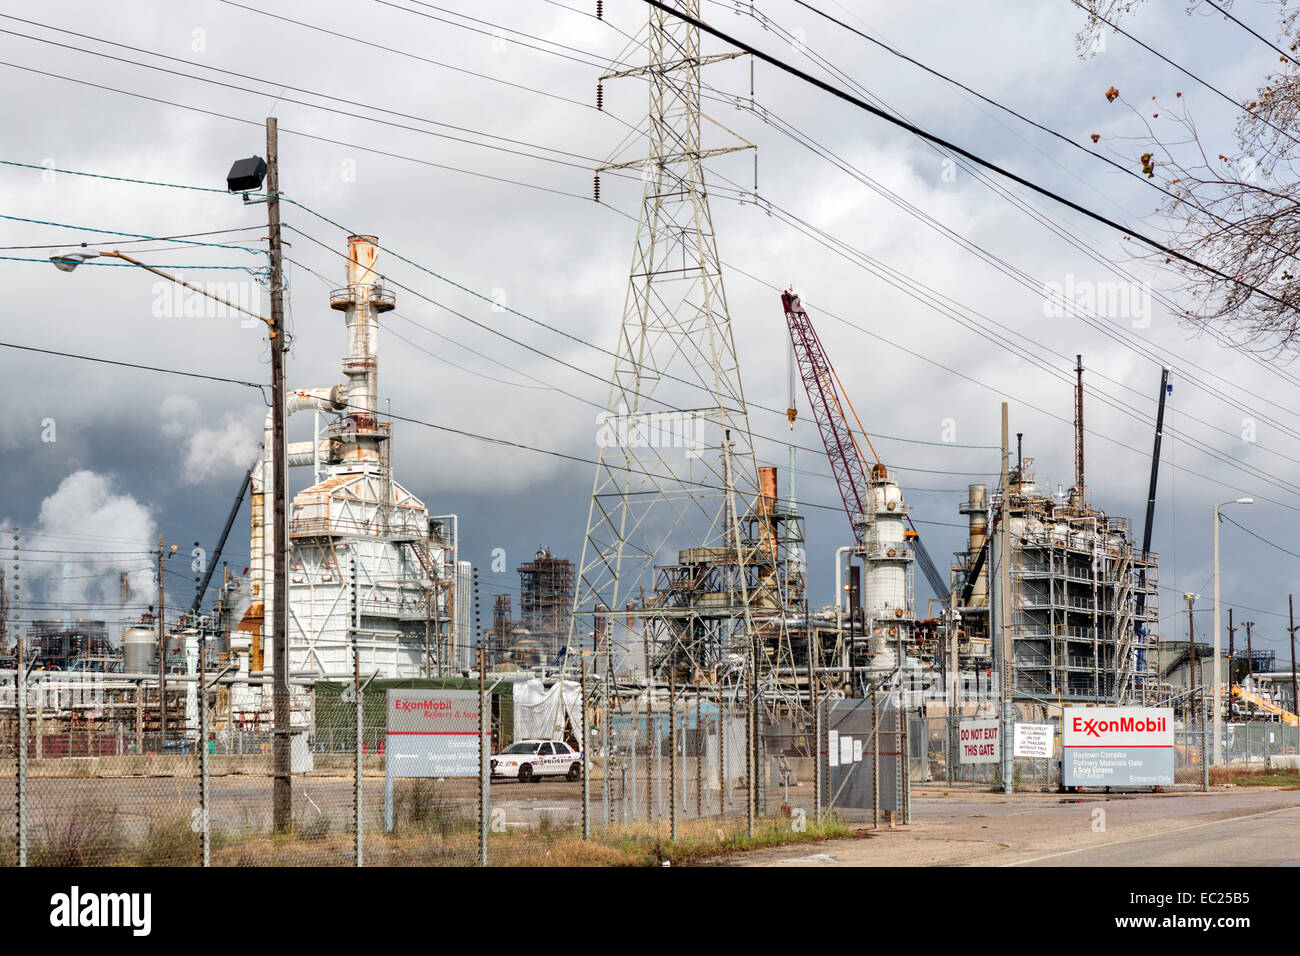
<point>979,741</point>
<point>1118,746</point>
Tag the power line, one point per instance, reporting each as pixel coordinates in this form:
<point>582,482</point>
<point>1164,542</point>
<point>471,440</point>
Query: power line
<point>547,355</point>
<point>1285,56</point>
<point>135,365</point>
<point>415,56</point>
<point>1064,234</point>
<point>305,135</point>
<point>284,86</point>
<point>1271,544</point>
<point>1186,72</point>
<point>940,141</point>
<point>136,236</point>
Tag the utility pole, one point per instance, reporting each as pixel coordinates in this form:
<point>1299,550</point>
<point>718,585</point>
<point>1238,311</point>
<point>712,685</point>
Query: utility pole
<point>1004,599</point>
<point>1192,679</point>
<point>1232,647</point>
<point>162,650</point>
<point>283,796</point>
<point>1250,666</point>
<point>1295,691</point>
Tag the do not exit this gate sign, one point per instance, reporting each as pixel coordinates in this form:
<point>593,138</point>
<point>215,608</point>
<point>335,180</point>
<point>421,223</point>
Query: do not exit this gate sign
<point>979,741</point>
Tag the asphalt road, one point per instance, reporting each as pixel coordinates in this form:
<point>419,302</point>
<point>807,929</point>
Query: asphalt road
<point>1228,827</point>
<point>1266,838</point>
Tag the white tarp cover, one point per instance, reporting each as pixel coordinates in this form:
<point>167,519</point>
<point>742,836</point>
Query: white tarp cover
<point>539,712</point>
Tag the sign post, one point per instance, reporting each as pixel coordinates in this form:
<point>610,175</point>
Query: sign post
<point>431,733</point>
<point>1118,747</point>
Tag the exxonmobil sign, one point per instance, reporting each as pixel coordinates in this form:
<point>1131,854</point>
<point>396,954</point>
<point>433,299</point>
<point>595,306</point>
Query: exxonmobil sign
<point>1118,746</point>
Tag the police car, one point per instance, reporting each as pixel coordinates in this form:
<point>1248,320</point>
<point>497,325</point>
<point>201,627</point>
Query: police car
<point>536,758</point>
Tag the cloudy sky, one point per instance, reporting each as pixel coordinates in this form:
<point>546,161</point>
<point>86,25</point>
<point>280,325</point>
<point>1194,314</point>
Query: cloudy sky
<point>463,136</point>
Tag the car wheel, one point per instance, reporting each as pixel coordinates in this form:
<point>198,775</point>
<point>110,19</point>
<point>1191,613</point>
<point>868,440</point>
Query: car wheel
<point>575,771</point>
<point>526,773</point>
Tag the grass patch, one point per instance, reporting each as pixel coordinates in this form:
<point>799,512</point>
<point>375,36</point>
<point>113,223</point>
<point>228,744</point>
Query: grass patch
<point>1241,777</point>
<point>170,843</point>
<point>649,844</point>
<point>86,835</point>
<point>421,806</point>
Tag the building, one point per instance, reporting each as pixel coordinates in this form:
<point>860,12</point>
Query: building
<point>546,600</point>
<point>368,564</point>
<point>1083,609</point>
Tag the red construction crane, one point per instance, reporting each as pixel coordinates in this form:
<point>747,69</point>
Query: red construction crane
<point>829,401</point>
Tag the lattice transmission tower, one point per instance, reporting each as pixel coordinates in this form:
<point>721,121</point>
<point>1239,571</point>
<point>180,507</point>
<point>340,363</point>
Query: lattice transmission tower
<point>676,488</point>
<point>676,462</point>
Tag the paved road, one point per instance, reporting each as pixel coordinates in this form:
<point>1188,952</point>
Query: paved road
<point>1267,838</point>
<point>1229,827</point>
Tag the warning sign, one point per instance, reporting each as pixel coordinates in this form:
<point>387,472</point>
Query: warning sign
<point>1033,740</point>
<point>979,741</point>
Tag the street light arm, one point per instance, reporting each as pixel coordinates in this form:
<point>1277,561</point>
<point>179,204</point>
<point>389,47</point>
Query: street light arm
<point>193,288</point>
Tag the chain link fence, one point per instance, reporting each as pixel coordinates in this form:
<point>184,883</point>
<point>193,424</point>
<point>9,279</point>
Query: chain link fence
<point>633,766</point>
<point>935,755</point>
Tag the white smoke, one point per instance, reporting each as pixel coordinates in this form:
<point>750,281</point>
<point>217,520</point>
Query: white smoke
<point>210,452</point>
<point>88,534</point>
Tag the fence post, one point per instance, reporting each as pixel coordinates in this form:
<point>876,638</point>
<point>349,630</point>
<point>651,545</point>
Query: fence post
<point>875,761</point>
<point>750,774</point>
<point>723,781</point>
<point>20,686</point>
<point>699,759</point>
<point>484,711</point>
<point>1205,740</point>
<point>947,747</point>
<point>816,752</point>
<point>608,740</point>
<point>586,763</point>
<point>633,734</point>
<point>672,758</point>
<point>205,831</point>
<point>358,759</point>
<point>905,755</point>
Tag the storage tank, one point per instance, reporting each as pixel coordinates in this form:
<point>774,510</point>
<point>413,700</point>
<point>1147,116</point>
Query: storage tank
<point>139,650</point>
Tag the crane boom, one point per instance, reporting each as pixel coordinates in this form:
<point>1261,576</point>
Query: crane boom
<point>819,382</point>
<point>824,397</point>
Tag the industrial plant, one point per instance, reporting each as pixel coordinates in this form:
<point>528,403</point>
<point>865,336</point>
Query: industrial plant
<point>684,637</point>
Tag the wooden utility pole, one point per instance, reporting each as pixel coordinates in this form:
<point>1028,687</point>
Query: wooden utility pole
<point>162,649</point>
<point>1232,647</point>
<point>1295,691</point>
<point>282,801</point>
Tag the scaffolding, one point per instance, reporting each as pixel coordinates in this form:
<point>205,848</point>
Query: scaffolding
<point>546,586</point>
<point>1084,608</point>
<point>690,620</point>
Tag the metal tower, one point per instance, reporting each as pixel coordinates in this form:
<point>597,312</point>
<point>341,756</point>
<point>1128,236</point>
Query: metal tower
<point>676,471</point>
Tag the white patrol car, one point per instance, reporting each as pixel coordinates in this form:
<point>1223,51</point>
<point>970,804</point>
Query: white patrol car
<point>534,759</point>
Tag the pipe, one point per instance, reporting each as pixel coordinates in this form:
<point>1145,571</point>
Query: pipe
<point>261,554</point>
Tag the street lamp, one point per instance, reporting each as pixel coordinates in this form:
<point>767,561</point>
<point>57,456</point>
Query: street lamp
<point>67,261</point>
<point>1218,637</point>
<point>248,174</point>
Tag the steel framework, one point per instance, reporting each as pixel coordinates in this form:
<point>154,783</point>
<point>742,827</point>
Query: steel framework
<point>674,474</point>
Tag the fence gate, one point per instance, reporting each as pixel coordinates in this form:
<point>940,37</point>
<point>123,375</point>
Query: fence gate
<point>856,752</point>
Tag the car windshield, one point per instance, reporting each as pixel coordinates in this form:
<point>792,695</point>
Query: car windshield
<point>521,749</point>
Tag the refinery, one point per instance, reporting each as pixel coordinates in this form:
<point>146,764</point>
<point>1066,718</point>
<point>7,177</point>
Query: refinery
<point>764,589</point>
